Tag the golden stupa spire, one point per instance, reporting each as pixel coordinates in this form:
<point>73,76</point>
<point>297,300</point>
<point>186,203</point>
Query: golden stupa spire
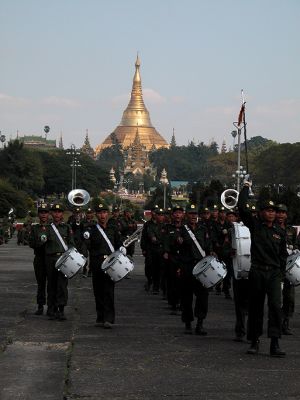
<point>136,112</point>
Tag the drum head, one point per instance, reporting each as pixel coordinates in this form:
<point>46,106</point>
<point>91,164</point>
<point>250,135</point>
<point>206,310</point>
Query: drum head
<point>202,265</point>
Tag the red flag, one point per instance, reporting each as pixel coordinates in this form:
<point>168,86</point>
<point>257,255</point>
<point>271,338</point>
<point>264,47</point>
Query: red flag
<point>241,115</point>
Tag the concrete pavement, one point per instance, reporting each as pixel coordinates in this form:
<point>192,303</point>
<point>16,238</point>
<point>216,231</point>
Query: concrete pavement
<point>145,356</point>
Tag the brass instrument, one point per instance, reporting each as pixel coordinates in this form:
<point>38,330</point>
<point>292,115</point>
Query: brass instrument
<point>132,238</point>
<point>78,197</point>
<point>229,198</point>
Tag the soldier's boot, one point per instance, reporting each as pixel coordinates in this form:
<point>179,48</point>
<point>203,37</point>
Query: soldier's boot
<point>51,313</point>
<point>275,350</point>
<point>40,310</point>
<point>286,330</point>
<point>61,314</point>
<point>199,330</point>
<point>188,328</point>
<point>254,347</point>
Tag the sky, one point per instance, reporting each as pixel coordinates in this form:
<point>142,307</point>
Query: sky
<point>69,64</point>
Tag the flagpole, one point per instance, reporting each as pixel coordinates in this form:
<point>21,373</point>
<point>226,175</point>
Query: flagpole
<point>245,131</point>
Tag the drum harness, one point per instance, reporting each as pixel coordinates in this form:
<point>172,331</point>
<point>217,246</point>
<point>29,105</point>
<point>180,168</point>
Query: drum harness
<point>193,237</point>
<point>111,247</point>
<point>59,237</point>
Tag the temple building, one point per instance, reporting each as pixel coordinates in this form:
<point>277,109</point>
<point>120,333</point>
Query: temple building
<point>86,147</point>
<point>37,142</point>
<point>136,158</point>
<point>136,134</point>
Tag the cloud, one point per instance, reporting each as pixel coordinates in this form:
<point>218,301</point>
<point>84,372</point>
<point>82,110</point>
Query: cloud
<point>153,97</point>
<point>121,99</point>
<point>60,102</point>
<point>13,101</point>
<point>284,109</point>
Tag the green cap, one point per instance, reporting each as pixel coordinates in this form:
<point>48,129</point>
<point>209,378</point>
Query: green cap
<point>267,204</point>
<point>57,207</point>
<point>191,209</point>
<point>43,207</point>
<point>101,207</point>
<point>281,207</point>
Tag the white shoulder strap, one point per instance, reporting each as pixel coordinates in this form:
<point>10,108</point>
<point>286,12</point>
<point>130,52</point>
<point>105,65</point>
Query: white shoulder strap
<point>106,238</point>
<point>202,252</point>
<point>59,237</point>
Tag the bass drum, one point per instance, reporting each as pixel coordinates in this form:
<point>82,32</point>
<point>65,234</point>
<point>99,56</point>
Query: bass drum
<point>210,271</point>
<point>117,266</point>
<point>70,262</point>
<point>241,243</point>
<point>293,269</point>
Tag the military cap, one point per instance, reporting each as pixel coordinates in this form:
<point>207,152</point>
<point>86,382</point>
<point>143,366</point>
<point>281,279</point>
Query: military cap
<point>101,207</point>
<point>76,210</point>
<point>191,209</point>
<point>155,207</point>
<point>253,208</point>
<point>57,207</point>
<point>203,210</point>
<point>232,211</point>
<point>281,207</point>
<point>267,204</point>
<point>214,207</point>
<point>43,207</point>
<point>222,209</point>
<point>115,207</point>
<point>159,211</point>
<point>177,207</point>
<point>89,211</point>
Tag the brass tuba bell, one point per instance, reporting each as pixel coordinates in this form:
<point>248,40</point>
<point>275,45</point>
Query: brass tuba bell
<point>78,197</point>
<point>229,198</point>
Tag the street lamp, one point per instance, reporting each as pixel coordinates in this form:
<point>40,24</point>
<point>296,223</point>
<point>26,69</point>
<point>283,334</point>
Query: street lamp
<point>164,181</point>
<point>74,164</point>
<point>239,174</point>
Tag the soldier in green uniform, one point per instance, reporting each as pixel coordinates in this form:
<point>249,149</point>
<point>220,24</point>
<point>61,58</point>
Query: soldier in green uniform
<point>146,250</point>
<point>268,263</point>
<point>172,243</point>
<point>189,256</point>
<point>288,291</point>
<point>37,241</point>
<point>115,219</point>
<point>57,282</point>
<point>154,237</point>
<point>99,249</point>
<point>127,227</point>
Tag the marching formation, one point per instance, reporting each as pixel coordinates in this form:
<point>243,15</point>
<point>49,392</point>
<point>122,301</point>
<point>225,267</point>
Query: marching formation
<point>242,252</point>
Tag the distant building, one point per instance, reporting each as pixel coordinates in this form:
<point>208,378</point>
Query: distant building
<point>136,158</point>
<point>37,142</point>
<point>86,147</point>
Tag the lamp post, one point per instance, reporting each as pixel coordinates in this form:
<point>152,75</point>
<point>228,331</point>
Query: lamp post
<point>239,174</point>
<point>74,164</point>
<point>164,181</point>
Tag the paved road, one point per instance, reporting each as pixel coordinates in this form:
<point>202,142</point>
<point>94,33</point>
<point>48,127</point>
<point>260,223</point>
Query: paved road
<point>145,356</point>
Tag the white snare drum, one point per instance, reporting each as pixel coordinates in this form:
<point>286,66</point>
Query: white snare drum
<point>209,271</point>
<point>70,262</point>
<point>117,266</point>
<point>293,269</point>
<point>241,243</point>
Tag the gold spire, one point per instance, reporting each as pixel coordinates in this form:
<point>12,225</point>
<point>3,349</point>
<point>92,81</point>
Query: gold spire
<point>136,112</point>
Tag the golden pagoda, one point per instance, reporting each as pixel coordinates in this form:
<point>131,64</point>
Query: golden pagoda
<point>136,114</point>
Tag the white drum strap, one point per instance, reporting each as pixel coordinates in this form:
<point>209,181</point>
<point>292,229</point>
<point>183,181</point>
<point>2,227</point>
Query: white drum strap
<point>59,237</point>
<point>202,252</point>
<point>106,238</point>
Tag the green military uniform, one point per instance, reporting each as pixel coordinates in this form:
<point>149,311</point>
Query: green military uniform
<point>189,256</point>
<point>153,238</point>
<point>127,227</point>
<point>268,262</point>
<point>103,286</point>
<point>146,250</point>
<point>57,282</point>
<point>87,223</point>
<point>37,241</point>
